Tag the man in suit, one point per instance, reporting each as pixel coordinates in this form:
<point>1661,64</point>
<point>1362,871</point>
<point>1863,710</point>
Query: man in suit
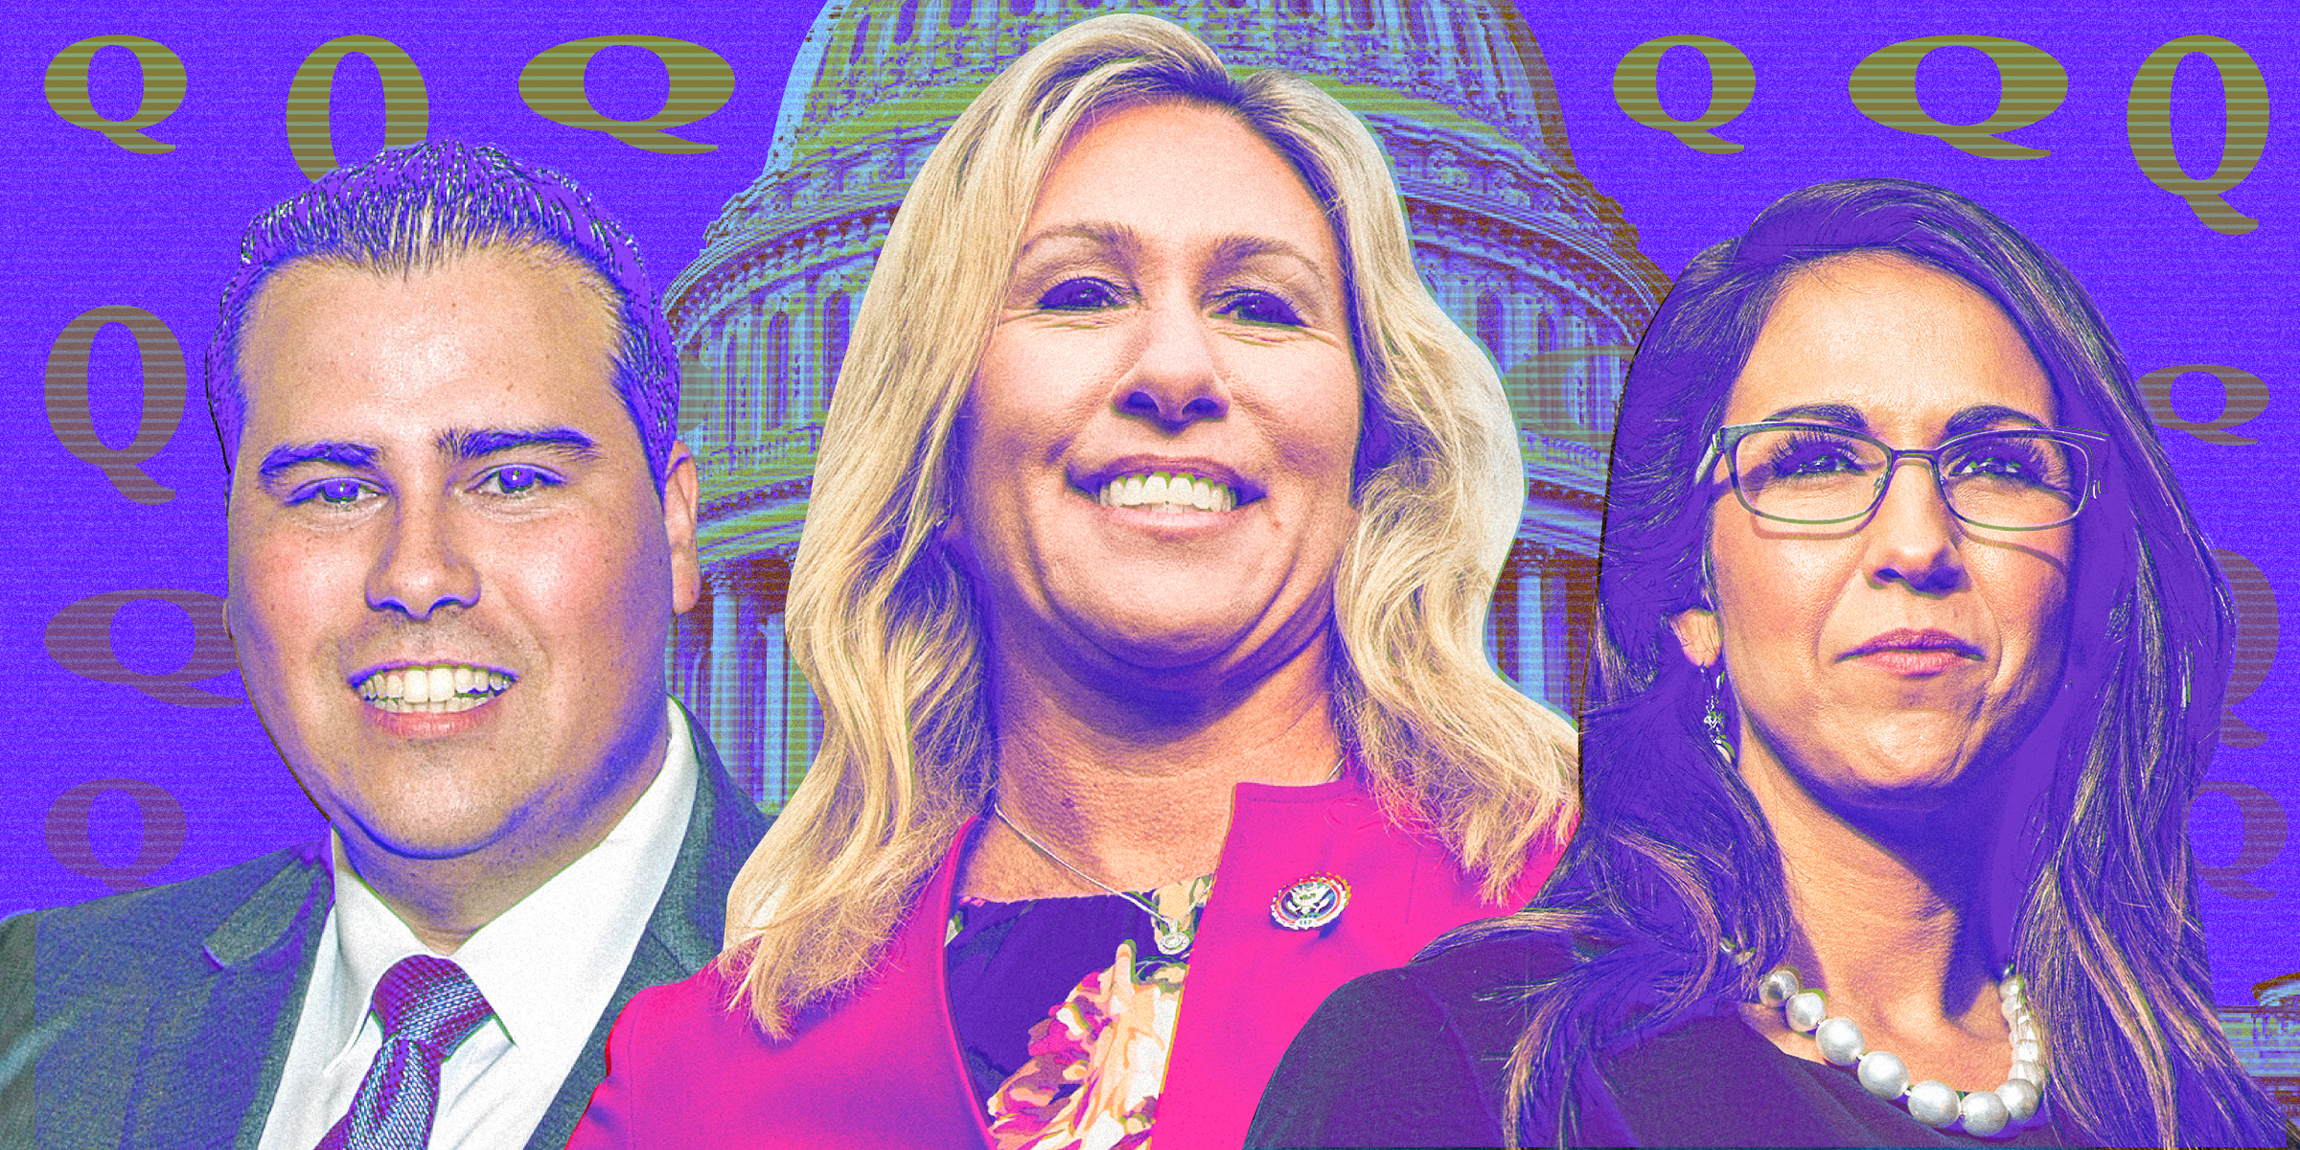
<point>460,525</point>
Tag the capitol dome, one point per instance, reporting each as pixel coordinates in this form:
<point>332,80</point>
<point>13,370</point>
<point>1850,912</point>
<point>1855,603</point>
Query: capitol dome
<point>1512,240</point>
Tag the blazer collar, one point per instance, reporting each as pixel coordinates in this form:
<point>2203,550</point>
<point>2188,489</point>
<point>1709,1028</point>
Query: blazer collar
<point>691,918</point>
<point>260,933</point>
<point>686,928</point>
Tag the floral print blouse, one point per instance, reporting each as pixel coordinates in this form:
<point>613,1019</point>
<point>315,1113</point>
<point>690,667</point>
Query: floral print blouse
<point>1065,1012</point>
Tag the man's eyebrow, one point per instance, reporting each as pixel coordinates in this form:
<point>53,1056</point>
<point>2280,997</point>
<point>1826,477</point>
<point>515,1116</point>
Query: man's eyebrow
<point>292,455</point>
<point>1982,416</point>
<point>478,443</point>
<point>1844,415</point>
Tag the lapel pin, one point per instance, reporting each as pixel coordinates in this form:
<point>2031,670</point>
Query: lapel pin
<point>1311,903</point>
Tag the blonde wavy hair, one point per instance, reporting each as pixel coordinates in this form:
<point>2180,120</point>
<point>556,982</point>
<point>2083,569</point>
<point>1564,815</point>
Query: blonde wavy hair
<point>884,623</point>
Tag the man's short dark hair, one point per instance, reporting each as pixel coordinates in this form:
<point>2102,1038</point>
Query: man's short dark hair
<point>414,208</point>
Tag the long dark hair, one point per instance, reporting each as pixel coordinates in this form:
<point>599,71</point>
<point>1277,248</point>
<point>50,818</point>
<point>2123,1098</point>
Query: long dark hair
<point>1672,890</point>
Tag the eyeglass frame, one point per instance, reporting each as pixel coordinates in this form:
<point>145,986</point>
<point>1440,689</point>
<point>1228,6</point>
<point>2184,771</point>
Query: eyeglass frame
<point>1729,437</point>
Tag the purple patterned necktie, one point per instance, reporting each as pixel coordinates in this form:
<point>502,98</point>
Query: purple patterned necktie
<point>427,1006</point>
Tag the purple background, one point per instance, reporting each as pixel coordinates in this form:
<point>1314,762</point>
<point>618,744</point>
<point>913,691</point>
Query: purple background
<point>91,224</point>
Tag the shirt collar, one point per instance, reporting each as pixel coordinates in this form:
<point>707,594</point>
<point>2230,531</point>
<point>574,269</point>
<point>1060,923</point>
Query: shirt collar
<point>550,947</point>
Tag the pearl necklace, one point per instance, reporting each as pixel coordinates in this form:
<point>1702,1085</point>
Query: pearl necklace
<point>1982,1113</point>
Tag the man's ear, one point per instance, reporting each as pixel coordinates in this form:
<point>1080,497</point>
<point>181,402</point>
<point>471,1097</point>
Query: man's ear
<point>1698,635</point>
<point>681,496</point>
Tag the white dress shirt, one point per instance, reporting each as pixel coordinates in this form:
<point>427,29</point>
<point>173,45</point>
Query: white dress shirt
<point>548,966</point>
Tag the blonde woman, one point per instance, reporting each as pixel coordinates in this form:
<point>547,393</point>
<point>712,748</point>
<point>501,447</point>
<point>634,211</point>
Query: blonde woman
<point>1143,584</point>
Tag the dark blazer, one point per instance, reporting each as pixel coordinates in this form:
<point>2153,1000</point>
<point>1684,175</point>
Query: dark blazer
<point>161,1018</point>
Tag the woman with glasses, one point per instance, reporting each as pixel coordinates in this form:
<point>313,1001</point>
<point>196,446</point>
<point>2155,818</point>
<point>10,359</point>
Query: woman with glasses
<point>1910,661</point>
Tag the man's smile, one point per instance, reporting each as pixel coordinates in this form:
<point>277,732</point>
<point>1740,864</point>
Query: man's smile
<point>436,689</point>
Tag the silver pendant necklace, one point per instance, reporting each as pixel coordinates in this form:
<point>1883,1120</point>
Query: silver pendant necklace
<point>1173,936</point>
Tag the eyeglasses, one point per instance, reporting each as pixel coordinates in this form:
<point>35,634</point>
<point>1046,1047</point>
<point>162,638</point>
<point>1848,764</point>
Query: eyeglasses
<point>2017,479</point>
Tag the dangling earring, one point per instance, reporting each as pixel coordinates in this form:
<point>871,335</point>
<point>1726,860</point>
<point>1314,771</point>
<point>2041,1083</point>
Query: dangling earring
<point>1713,719</point>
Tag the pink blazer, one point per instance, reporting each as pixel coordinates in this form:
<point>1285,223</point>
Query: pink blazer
<point>881,1067</point>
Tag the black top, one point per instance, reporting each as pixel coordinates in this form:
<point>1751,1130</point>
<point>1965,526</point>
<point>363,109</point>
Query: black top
<point>1012,963</point>
<point>1417,1056</point>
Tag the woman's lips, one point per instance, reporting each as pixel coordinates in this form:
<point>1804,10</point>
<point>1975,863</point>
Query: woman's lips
<point>1912,652</point>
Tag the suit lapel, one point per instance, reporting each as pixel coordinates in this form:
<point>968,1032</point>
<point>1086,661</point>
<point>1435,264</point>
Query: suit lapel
<point>209,1051</point>
<point>184,1044</point>
<point>270,984</point>
<point>683,933</point>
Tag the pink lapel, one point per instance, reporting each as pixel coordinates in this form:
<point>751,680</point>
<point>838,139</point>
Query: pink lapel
<point>1252,983</point>
<point>882,1067</point>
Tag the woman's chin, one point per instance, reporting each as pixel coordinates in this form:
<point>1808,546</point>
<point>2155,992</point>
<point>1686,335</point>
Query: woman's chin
<point>1193,648</point>
<point>1878,794</point>
<point>1854,779</point>
<point>1206,653</point>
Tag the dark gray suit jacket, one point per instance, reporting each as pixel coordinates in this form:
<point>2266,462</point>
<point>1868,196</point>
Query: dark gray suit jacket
<point>161,1018</point>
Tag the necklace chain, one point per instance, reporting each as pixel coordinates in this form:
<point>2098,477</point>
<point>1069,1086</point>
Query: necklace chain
<point>1174,935</point>
<point>1174,938</point>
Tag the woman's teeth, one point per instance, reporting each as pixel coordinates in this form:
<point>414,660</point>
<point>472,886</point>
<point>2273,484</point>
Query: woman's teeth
<point>1168,492</point>
<point>432,690</point>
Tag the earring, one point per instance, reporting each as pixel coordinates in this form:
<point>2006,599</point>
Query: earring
<point>1713,719</point>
